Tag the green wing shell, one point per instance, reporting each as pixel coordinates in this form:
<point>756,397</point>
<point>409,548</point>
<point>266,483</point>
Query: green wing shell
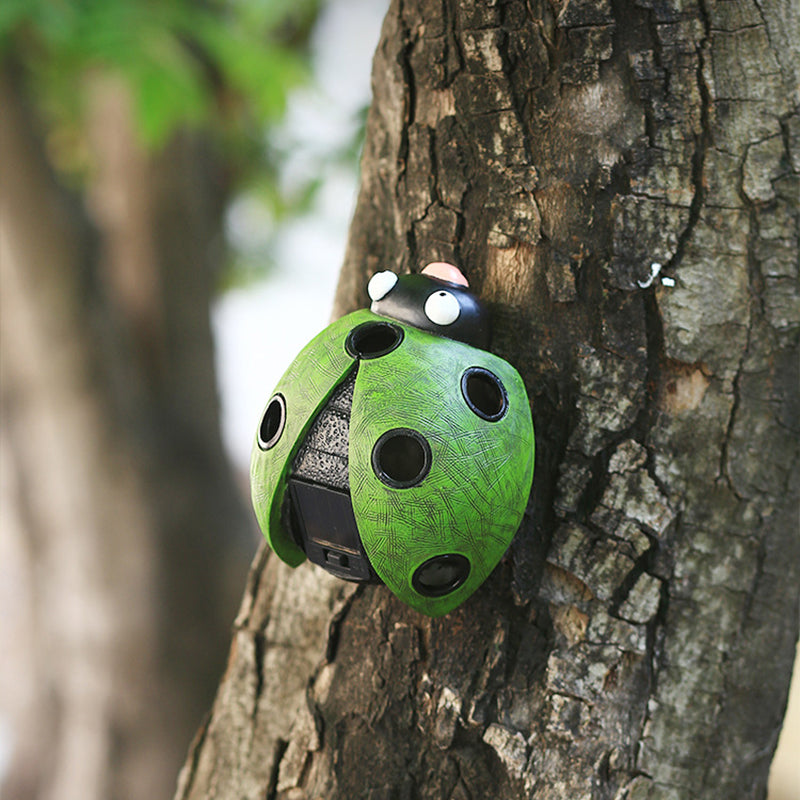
<point>472,500</point>
<point>473,497</point>
<point>305,386</point>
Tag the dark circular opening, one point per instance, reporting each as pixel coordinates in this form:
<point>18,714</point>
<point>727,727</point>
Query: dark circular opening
<point>441,575</point>
<point>401,458</point>
<point>485,394</point>
<point>373,339</point>
<point>272,423</point>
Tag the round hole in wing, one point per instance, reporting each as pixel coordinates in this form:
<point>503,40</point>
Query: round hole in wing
<point>441,575</point>
<point>485,394</point>
<point>401,458</point>
<point>272,423</point>
<point>373,339</point>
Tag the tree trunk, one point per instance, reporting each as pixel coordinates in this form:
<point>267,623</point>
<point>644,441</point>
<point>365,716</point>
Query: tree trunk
<point>620,182</point>
<point>118,506</point>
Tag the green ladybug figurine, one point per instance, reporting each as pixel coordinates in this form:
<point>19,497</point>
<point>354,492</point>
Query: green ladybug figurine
<point>396,449</point>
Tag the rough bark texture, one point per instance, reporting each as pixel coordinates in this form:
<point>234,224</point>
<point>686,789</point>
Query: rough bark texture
<point>119,513</point>
<point>637,641</point>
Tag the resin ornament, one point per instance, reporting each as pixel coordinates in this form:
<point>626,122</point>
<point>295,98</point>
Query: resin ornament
<point>396,449</point>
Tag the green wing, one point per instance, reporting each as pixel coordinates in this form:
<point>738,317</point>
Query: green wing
<point>306,386</point>
<point>472,500</point>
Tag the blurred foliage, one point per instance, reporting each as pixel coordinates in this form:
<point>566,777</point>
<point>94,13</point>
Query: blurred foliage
<point>225,65</point>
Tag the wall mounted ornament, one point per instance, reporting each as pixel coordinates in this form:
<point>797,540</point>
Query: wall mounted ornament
<point>396,449</point>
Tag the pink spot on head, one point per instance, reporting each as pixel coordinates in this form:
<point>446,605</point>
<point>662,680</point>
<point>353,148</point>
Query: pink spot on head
<point>445,272</point>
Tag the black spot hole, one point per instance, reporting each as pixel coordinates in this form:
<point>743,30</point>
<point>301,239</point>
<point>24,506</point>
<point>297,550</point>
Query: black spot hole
<point>272,423</point>
<point>441,575</point>
<point>401,458</point>
<point>373,339</point>
<point>485,394</point>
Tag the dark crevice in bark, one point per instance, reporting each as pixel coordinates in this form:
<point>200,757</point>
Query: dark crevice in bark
<point>411,245</point>
<point>335,625</point>
<point>452,21</point>
<point>759,5</point>
<point>253,588</point>
<point>519,97</point>
<point>755,285</point>
<point>519,634</point>
<point>702,144</point>
<point>530,545</point>
<point>656,634</point>
<point>642,565</point>
<point>756,281</point>
<point>436,193</point>
<point>598,483</point>
<point>656,359</point>
<point>259,650</point>
<point>658,58</point>
<point>532,542</point>
<point>404,61</point>
<point>724,473</point>
<point>459,234</point>
<point>787,136</point>
<point>278,751</point>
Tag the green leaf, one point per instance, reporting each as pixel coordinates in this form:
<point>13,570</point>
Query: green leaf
<point>168,91</point>
<point>258,69</point>
<point>12,14</point>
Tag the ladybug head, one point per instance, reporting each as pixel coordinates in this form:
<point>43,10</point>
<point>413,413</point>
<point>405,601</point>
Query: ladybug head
<point>437,300</point>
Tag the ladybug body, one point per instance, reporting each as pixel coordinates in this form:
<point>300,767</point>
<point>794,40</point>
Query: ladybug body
<point>390,453</point>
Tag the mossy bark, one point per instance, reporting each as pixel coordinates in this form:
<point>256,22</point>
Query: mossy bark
<point>619,180</point>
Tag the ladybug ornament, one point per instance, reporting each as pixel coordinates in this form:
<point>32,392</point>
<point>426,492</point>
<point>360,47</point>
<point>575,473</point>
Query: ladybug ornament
<point>396,449</point>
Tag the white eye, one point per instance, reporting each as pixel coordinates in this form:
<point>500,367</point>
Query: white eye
<point>380,284</point>
<point>442,308</point>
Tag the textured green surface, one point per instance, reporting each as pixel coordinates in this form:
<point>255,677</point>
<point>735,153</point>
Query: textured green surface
<point>472,500</point>
<point>306,385</point>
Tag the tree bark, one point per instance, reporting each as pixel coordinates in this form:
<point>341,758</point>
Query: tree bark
<point>637,641</point>
<point>117,497</point>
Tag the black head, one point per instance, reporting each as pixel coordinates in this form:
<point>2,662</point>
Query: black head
<point>435,305</point>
